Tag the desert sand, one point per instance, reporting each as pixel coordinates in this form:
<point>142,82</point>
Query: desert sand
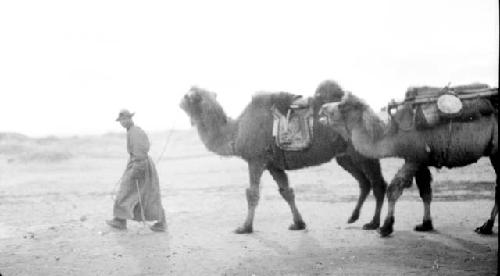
<point>56,194</point>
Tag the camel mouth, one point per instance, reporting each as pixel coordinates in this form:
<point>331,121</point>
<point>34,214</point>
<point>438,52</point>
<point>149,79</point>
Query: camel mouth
<point>323,120</point>
<point>190,103</point>
<point>183,104</point>
<point>187,102</point>
<point>328,114</point>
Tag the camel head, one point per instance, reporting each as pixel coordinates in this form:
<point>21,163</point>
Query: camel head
<point>334,115</point>
<point>351,112</point>
<point>200,104</point>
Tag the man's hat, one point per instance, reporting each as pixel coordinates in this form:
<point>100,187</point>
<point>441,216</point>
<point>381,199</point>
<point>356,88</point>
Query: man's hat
<point>124,113</point>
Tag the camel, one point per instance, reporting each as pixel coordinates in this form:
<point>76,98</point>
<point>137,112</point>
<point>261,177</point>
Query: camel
<point>250,138</point>
<point>452,144</point>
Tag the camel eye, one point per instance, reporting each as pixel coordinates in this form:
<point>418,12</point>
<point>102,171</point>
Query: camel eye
<point>195,98</point>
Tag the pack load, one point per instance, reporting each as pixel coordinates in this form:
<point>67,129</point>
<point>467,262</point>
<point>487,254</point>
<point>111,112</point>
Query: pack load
<point>431,106</point>
<point>293,131</point>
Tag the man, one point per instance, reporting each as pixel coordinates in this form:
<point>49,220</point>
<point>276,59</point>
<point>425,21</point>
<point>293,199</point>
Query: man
<point>139,195</point>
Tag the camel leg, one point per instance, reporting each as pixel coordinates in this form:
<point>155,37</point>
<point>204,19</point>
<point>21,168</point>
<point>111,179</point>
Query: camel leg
<point>402,180</point>
<point>487,227</point>
<point>423,178</point>
<point>373,172</point>
<point>288,194</point>
<point>347,163</point>
<point>255,170</point>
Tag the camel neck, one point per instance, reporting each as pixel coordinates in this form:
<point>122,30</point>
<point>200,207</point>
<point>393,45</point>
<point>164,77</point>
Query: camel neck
<point>369,147</point>
<point>218,135</point>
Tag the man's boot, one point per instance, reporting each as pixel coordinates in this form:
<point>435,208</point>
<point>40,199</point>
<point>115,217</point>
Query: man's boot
<point>118,223</point>
<point>160,225</point>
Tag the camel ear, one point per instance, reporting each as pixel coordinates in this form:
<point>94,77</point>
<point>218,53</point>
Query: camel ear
<point>372,125</point>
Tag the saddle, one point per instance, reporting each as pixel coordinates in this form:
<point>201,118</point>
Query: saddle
<point>293,131</point>
<point>425,107</point>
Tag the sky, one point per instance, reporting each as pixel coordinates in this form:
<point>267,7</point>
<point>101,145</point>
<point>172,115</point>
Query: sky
<point>68,67</point>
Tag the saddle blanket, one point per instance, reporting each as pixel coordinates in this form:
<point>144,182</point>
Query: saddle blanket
<point>293,131</point>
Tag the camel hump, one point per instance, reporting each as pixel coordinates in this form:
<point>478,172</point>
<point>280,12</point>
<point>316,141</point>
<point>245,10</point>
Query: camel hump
<point>280,100</point>
<point>329,91</point>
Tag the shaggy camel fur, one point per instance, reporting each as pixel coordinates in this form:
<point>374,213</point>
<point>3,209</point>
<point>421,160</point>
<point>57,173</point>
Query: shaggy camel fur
<point>453,144</point>
<point>250,138</point>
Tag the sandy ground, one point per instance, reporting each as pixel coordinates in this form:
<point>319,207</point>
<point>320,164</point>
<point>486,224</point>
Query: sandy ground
<point>53,207</point>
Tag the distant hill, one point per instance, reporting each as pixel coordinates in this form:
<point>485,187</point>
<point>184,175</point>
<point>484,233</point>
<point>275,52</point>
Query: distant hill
<point>12,136</point>
<point>171,144</point>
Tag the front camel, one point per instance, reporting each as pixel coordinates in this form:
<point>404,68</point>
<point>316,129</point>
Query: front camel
<point>250,137</point>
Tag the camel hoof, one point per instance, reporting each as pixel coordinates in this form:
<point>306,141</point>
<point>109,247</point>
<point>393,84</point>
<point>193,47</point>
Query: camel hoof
<point>297,226</point>
<point>426,226</point>
<point>371,226</point>
<point>486,228</point>
<point>354,217</point>
<point>386,229</point>
<point>244,230</point>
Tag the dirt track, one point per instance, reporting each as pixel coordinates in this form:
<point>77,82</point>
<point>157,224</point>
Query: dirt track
<point>52,222</point>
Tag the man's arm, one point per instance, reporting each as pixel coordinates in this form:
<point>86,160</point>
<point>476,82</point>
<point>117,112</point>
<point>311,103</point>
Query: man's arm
<point>139,145</point>
<point>139,148</point>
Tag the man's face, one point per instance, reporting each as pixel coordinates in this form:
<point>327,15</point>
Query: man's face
<point>125,122</point>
